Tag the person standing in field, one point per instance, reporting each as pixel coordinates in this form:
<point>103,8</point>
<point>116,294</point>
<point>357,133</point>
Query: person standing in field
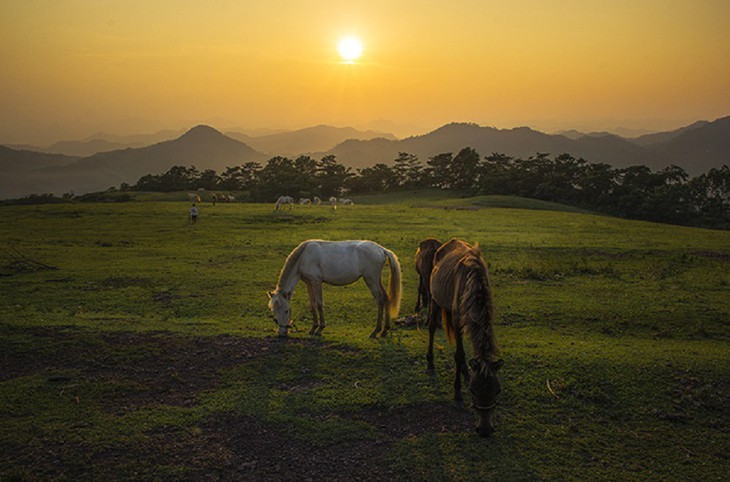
<point>193,214</point>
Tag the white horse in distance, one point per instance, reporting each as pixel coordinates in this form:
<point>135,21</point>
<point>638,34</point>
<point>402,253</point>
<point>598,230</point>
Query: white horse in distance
<point>336,263</point>
<point>305,201</point>
<point>333,203</point>
<point>282,201</point>
<point>317,201</point>
<point>347,202</point>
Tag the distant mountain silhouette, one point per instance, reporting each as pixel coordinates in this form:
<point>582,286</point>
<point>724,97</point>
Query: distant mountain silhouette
<point>695,148</point>
<point>661,137</point>
<point>698,149</point>
<point>517,142</point>
<point>305,141</point>
<point>102,142</point>
<point>202,146</point>
<point>20,160</point>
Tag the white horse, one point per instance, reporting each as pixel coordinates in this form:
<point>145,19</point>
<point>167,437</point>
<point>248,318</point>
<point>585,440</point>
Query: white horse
<point>317,201</point>
<point>305,201</point>
<point>284,200</point>
<point>333,203</point>
<point>347,202</point>
<point>336,263</point>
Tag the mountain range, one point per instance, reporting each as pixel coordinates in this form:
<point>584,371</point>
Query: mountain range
<point>72,168</point>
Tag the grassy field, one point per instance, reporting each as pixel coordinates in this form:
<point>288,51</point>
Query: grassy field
<point>137,346</point>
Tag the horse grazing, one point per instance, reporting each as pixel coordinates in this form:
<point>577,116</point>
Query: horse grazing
<point>284,200</point>
<point>305,201</point>
<point>460,289</point>
<point>347,202</point>
<point>317,201</point>
<point>336,263</point>
<point>424,264</point>
<point>333,203</point>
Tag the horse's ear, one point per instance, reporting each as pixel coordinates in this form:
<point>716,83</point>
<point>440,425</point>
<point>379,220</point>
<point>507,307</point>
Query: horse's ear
<point>497,365</point>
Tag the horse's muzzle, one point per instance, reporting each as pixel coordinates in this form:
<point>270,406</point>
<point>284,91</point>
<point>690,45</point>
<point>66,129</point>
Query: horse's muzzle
<point>284,329</point>
<point>484,430</point>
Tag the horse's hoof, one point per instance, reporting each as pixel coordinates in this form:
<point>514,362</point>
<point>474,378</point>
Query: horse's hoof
<point>384,333</point>
<point>373,334</point>
<point>431,371</point>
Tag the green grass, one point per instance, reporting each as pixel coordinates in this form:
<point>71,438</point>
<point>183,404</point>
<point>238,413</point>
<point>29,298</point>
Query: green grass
<point>625,321</point>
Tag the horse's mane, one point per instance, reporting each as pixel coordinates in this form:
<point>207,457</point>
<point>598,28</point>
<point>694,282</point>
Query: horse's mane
<point>475,304</point>
<point>290,263</point>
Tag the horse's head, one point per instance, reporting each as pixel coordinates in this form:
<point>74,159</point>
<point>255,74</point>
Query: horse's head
<point>484,386</point>
<point>279,306</point>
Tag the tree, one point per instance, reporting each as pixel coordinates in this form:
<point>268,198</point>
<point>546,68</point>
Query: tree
<point>711,197</point>
<point>407,170</point>
<point>378,178</point>
<point>331,177</point>
<point>494,174</point>
<point>278,177</point>
<point>208,179</point>
<point>437,171</point>
<point>464,169</point>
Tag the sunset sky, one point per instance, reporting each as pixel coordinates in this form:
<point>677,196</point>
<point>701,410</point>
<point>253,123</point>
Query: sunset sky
<point>74,67</point>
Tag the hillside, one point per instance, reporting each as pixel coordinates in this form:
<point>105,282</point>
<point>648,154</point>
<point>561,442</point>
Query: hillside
<point>700,149</point>
<point>696,148</point>
<point>202,146</point>
<point>304,141</point>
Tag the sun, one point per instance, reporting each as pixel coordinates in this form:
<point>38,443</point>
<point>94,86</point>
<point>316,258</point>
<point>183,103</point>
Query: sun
<point>350,49</point>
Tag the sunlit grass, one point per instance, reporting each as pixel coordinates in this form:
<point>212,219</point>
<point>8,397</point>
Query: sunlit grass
<point>614,335</point>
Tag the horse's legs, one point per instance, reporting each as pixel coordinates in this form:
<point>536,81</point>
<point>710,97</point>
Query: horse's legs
<point>460,359</point>
<point>432,310</point>
<point>381,298</point>
<point>317,288</point>
<point>420,294</point>
<point>312,307</point>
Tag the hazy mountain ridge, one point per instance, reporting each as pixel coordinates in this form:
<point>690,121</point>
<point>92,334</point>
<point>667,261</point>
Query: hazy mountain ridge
<point>202,146</point>
<point>306,141</point>
<point>516,142</point>
<point>695,148</point>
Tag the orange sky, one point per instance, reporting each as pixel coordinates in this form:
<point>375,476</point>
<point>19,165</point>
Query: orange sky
<point>74,67</point>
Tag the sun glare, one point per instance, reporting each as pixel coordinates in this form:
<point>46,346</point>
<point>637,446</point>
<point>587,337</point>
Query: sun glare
<point>350,49</point>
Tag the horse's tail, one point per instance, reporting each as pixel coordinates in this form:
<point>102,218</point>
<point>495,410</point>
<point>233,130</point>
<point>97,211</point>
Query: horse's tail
<point>394,286</point>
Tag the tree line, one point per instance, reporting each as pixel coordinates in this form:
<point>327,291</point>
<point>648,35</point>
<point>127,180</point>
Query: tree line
<point>668,195</point>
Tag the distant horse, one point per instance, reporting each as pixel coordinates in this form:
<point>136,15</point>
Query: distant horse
<point>347,202</point>
<point>424,264</point>
<point>283,200</point>
<point>336,263</point>
<point>317,201</point>
<point>460,288</point>
<point>333,203</point>
<point>305,201</point>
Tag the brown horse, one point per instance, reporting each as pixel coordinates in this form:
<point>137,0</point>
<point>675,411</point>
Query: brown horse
<point>424,264</point>
<point>461,292</point>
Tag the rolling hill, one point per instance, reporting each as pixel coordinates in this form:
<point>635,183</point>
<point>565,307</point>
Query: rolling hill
<point>202,146</point>
<point>305,141</point>
<point>696,148</point>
